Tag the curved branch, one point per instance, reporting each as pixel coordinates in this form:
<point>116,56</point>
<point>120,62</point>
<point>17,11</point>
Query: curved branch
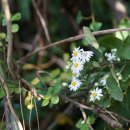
<point>71,39</point>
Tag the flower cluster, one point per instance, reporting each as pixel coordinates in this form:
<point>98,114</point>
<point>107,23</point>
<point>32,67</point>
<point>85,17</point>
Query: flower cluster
<point>95,94</point>
<point>79,58</point>
<point>112,56</point>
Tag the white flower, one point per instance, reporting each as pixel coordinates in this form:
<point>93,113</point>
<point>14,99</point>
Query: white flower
<point>64,84</point>
<point>95,94</point>
<point>111,57</point>
<point>103,82</point>
<point>75,84</point>
<point>76,55</point>
<point>86,56</point>
<point>77,66</point>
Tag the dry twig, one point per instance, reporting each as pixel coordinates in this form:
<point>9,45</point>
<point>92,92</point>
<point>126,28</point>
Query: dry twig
<point>42,21</point>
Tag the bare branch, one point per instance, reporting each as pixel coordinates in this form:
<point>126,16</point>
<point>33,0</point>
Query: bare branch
<point>42,21</point>
<point>9,35</point>
<point>107,118</point>
<point>71,39</point>
<point>10,105</point>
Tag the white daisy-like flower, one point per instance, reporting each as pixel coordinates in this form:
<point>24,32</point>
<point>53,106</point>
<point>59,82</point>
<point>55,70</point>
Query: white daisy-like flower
<point>103,82</point>
<point>111,57</point>
<point>86,56</point>
<point>77,66</point>
<point>75,84</point>
<point>76,55</point>
<point>96,94</point>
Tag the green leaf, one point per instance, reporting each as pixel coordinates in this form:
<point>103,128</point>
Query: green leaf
<point>16,17</point>
<point>84,127</point>
<point>3,21</point>
<point>95,26</point>
<point>111,42</point>
<point>114,88</point>
<point>2,93</point>
<point>54,99</point>
<point>106,102</point>
<point>126,72</point>
<point>2,36</point>
<point>1,44</point>
<point>126,48</point>
<point>50,90</point>
<point>90,39</point>
<point>45,102</point>
<point>79,123</point>
<point>56,89</point>
<point>91,120</point>
<point>96,64</point>
<point>48,96</point>
<point>79,17</point>
<point>15,28</point>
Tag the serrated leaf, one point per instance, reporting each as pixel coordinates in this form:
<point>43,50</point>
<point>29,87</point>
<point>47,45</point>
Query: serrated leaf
<point>45,102</point>
<point>90,39</point>
<point>114,88</point>
<point>14,28</point>
<point>95,26</point>
<point>16,17</point>
<point>126,48</point>
<point>54,99</point>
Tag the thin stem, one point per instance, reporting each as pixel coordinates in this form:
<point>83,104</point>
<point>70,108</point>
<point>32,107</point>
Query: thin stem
<point>71,39</point>
<point>21,107</point>
<point>42,21</point>
<point>9,35</point>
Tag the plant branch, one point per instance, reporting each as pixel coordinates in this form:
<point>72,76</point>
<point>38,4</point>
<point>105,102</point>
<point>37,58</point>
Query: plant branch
<point>10,105</point>
<point>71,39</point>
<point>9,35</point>
<point>42,21</point>
<point>106,117</point>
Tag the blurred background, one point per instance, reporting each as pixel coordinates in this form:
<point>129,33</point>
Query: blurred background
<point>39,23</point>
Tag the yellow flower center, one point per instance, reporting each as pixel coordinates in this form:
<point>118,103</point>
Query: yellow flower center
<point>76,65</point>
<point>75,53</point>
<point>73,83</point>
<point>94,94</point>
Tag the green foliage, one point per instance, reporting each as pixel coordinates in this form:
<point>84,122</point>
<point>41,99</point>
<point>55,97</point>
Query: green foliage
<point>95,26</point>
<point>16,17</point>
<point>114,88</point>
<point>2,35</point>
<point>89,38</point>
<point>81,125</point>
<point>15,28</point>
<point>126,48</point>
